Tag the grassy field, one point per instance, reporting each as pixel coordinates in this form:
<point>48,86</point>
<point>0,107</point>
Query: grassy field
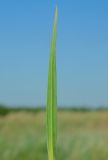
<point>81,136</point>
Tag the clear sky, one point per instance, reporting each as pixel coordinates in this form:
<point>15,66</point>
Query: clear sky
<point>82,51</point>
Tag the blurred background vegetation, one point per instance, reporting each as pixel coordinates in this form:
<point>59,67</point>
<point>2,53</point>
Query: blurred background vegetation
<point>82,134</point>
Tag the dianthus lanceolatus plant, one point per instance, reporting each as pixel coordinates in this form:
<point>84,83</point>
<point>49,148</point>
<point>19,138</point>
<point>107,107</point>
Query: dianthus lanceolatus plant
<point>52,96</point>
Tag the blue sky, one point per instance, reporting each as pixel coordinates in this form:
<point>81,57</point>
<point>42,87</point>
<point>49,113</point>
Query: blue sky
<point>82,51</point>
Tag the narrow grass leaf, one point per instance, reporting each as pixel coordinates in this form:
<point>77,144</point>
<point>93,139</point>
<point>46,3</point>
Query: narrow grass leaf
<point>52,96</point>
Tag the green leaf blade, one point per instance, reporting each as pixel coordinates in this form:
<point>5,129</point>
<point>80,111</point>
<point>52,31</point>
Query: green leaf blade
<point>52,96</point>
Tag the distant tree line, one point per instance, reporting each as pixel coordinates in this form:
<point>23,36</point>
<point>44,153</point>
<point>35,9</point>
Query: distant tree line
<point>4,110</point>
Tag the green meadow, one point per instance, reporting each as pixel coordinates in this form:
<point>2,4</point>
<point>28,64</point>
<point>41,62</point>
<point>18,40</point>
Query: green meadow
<point>81,135</point>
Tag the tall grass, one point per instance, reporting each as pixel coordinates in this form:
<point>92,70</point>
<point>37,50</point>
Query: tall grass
<point>52,96</point>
